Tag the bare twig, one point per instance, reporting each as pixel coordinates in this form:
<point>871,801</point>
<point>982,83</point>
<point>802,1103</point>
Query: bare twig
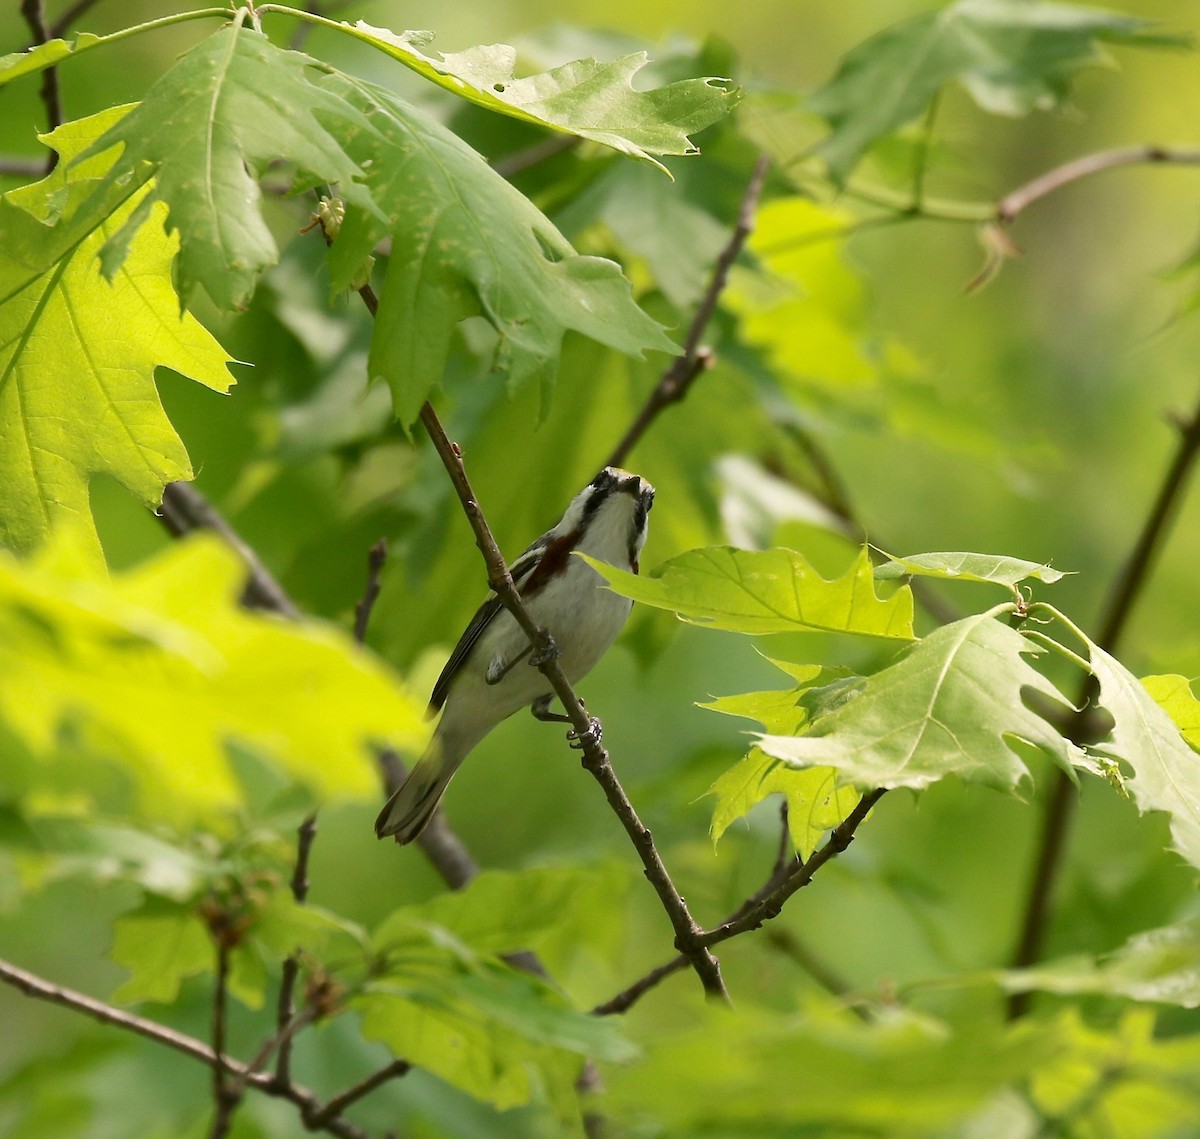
<point>21,168</point>
<point>35,17</point>
<point>286,1007</point>
<point>185,509</point>
<point>36,987</point>
<point>339,1103</point>
<point>70,16</point>
<point>226,1096</point>
<point>762,906</point>
<point>595,758</point>
<point>1126,589</point>
<point>376,558</point>
<point>676,381</point>
<point>1018,200</point>
<point>550,147</point>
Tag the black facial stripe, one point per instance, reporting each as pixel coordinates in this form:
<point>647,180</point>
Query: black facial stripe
<point>637,528</point>
<point>602,487</point>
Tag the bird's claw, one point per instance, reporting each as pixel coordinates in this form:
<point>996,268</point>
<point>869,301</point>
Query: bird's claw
<point>593,735</point>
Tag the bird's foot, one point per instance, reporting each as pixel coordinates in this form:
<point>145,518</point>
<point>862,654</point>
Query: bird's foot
<point>593,735</point>
<point>547,653</point>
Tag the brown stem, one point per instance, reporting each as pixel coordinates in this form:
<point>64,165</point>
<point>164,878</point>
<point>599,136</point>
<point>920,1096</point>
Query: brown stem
<point>376,559</point>
<point>285,1012</point>
<point>677,380</point>
<point>1016,201</point>
<point>35,17</point>
<point>339,1103</point>
<point>69,17</point>
<point>226,1095</point>
<point>185,509</point>
<point>1127,588</point>
<point>766,903</point>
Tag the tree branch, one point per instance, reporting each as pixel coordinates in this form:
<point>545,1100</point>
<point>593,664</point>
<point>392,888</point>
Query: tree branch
<point>35,17</point>
<point>785,880</point>
<point>339,1103</point>
<point>1126,589</point>
<point>677,380</point>
<point>376,559</point>
<point>286,1007</point>
<point>34,986</point>
<point>1018,200</point>
<point>68,19</point>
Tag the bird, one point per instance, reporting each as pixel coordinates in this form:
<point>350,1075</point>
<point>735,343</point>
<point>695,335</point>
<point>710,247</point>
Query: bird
<point>488,676</point>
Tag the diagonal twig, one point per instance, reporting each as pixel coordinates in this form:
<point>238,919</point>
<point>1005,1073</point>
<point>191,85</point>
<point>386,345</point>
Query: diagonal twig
<point>1127,588</point>
<point>683,371</point>
<point>35,17</point>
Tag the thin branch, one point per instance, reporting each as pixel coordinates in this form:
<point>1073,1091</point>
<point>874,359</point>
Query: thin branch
<point>226,1096</point>
<point>22,168</point>
<point>310,1107</point>
<point>286,1007</point>
<point>69,18</point>
<point>677,380</point>
<point>587,734</point>
<point>1018,200</point>
<point>1126,590</point>
<point>595,758</point>
<point>376,559</point>
<point>762,906</point>
<point>339,1103</point>
<point>185,509</point>
<point>510,165</point>
<point>35,17</point>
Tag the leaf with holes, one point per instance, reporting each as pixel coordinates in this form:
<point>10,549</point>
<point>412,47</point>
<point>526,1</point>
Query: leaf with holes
<point>593,100</point>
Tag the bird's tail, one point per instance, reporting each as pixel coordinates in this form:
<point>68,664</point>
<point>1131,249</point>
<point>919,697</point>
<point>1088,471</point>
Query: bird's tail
<point>407,813</point>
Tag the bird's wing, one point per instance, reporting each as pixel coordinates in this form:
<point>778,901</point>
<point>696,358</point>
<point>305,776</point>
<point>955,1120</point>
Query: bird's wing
<point>484,616</point>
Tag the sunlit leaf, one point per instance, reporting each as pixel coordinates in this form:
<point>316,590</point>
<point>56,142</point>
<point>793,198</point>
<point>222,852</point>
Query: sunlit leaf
<point>952,705</point>
<point>1012,57</point>
<point>1166,771</point>
<point>968,567</point>
<point>766,591</point>
<point>1160,965</point>
<point>1173,694</point>
<point>161,946</point>
<point>131,660</point>
<point>594,100</point>
<point>78,353</point>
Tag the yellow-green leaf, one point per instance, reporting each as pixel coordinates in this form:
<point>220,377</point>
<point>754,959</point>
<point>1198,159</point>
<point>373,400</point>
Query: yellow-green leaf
<point>160,669</point>
<point>78,352</point>
<point>766,591</point>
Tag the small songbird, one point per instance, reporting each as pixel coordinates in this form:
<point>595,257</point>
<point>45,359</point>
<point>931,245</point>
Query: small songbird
<point>489,677</point>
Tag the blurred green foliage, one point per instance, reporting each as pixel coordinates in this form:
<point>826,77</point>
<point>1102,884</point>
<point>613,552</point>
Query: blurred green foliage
<point>857,391</point>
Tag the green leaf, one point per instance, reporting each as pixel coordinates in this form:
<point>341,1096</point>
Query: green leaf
<point>587,98</point>
<point>502,912</point>
<point>952,705</point>
<point>1012,56</point>
<point>968,567</point>
<point>1160,965</point>
<point>466,243</point>
<point>129,660</point>
<point>766,591</point>
<point>1166,771</point>
<point>38,58</point>
<point>78,353</point>
<point>1173,694</point>
<point>161,945</point>
<point>815,803</point>
<point>204,132</point>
